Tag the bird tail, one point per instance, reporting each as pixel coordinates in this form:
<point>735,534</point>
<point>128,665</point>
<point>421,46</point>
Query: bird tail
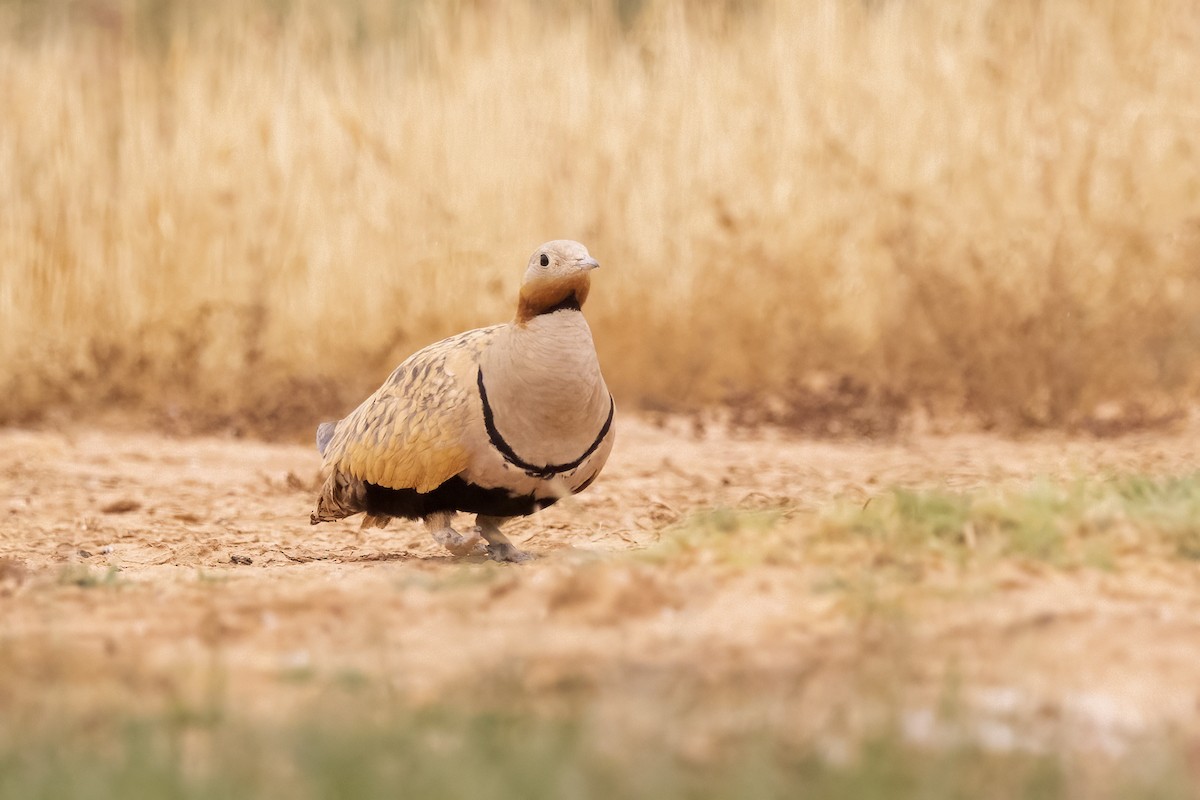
<point>341,496</point>
<point>325,433</point>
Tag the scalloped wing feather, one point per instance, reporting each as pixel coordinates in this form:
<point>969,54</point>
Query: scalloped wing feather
<point>409,433</point>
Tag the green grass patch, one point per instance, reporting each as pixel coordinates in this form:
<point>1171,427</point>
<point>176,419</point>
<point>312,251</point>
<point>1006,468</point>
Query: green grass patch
<point>1169,505</point>
<point>86,577</point>
<point>721,535</point>
<point>1083,522</point>
<point>496,756</point>
<point>1032,522</point>
<point>1090,523</point>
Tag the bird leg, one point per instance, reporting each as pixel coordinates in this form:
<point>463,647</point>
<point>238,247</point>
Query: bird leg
<point>439,525</point>
<point>499,548</point>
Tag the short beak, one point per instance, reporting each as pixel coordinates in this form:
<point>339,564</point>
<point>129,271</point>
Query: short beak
<point>589,263</point>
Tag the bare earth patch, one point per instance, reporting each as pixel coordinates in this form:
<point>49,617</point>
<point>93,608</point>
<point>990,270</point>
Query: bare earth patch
<point>145,572</point>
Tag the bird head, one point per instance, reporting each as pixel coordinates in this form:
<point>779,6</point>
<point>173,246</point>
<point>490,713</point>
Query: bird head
<point>558,277</point>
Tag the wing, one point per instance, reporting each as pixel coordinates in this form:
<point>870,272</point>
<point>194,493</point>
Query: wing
<point>409,433</point>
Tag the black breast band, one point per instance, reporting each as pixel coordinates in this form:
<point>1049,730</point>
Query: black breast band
<point>533,470</point>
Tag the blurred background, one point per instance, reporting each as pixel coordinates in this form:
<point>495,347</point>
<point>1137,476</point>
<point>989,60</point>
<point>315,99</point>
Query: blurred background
<point>838,215</point>
<point>851,218</point>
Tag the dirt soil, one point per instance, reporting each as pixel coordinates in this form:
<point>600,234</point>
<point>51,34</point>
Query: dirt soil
<point>154,572</point>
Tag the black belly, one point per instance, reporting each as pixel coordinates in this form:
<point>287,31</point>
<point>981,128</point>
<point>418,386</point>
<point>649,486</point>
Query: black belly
<point>453,495</point>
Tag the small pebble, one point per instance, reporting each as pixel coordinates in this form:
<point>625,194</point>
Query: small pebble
<point>122,506</point>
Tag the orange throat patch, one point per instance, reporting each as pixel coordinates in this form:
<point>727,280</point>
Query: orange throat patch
<point>543,296</point>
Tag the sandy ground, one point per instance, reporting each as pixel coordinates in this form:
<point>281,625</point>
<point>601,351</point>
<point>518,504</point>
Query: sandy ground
<point>222,587</point>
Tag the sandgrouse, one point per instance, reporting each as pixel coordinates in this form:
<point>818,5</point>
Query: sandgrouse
<point>499,422</point>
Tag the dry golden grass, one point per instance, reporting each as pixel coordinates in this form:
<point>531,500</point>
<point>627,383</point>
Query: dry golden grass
<point>252,211</point>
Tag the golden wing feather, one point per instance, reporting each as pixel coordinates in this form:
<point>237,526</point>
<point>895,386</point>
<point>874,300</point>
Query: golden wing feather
<point>409,433</point>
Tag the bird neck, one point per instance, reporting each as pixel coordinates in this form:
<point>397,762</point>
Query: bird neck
<point>548,296</point>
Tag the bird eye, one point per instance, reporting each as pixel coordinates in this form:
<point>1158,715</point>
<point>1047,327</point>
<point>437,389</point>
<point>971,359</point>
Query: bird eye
<point>545,262</point>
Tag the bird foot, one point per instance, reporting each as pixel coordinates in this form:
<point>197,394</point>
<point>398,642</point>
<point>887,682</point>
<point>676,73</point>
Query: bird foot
<point>458,544</point>
<point>503,551</point>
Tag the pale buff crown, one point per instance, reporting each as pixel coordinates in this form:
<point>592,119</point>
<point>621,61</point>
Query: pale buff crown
<point>559,271</point>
